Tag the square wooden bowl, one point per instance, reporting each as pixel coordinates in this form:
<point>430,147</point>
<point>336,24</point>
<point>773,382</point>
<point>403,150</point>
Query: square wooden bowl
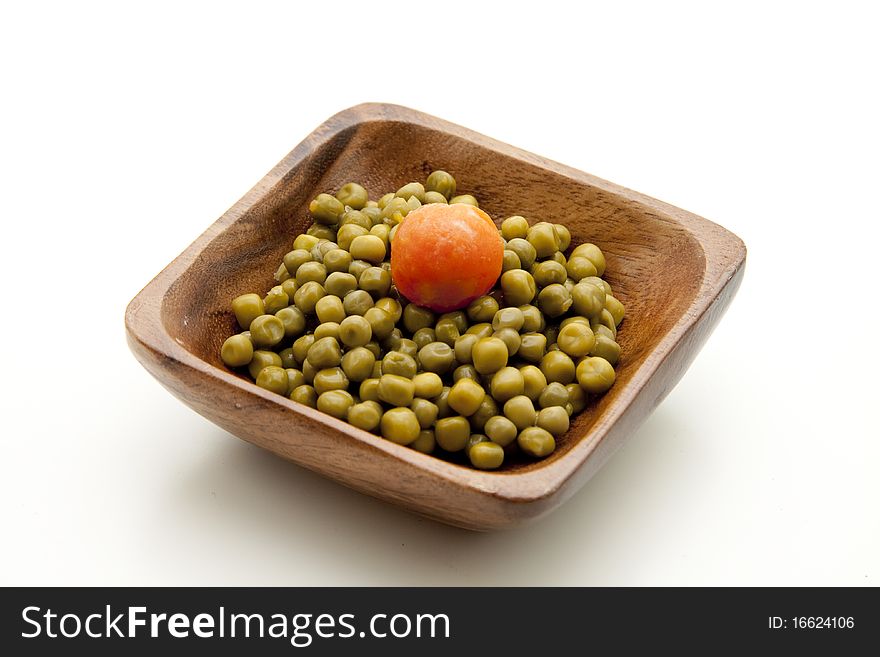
<point>675,272</point>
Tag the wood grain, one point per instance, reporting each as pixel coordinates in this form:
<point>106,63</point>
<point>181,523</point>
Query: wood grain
<point>675,272</point>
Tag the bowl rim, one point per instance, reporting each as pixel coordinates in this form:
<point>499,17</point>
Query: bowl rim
<point>723,251</point>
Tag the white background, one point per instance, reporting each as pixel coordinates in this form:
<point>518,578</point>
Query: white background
<point>127,131</point>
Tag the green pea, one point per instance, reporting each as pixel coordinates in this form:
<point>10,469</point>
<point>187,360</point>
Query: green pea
<point>247,308</point>
<point>508,318</point>
<point>518,287</point>
<point>337,261</point>
<point>599,282</point>
<point>536,442</point>
<point>487,408</point>
<point>327,330</point>
<point>594,254</point>
<point>329,309</point>
<point>304,242</point>
<point>237,350</point>
<point>307,297</point>
<point>301,347</point>
<point>435,197</point>
<point>385,200</point>
<point>416,317</point>
<point>332,378</point>
<point>273,379</point>
<point>295,258</point>
<point>442,401</point>
<point>489,355</point>
<point>510,338</point>
<point>335,402</point>
<point>325,352</point>
<point>289,287</point>
<point>293,320</point>
<point>558,366</point>
<point>400,425</point>
<point>555,394</point>
<point>486,455</point>
<point>425,442</point>
<point>501,430</point>
<point>520,411</point>
<point>369,248</point>
<point>532,347</point>
<point>408,347</point>
<point>295,378</point>
<point>466,199</point>
<point>481,330</point>
<point>441,182</point>
<point>524,251</point>
<point>452,433</point>
<point>366,415</point>
<point>357,302</point>
<point>346,235</point>
<point>416,189</point>
<point>554,300</point>
<point>390,306</point>
<point>613,306</point>
<point>275,300</point>
<point>398,363</point>
<point>576,397</point>
<point>266,331</point>
<point>424,336</point>
<point>380,321</point>
<point>506,384</point>
<point>396,390</point>
<point>464,345</point>
<point>311,271</point>
<point>369,390</point>
<point>544,239</point>
<point>374,348</point>
<point>549,272</point>
<point>514,227</point>
<point>358,267</point>
<point>355,217</point>
<point>339,284</point>
<point>425,411</point>
<point>326,209</point>
<point>564,236</point>
<point>533,319</point>
<point>427,385</point>
<point>465,396</point>
<point>510,261</point>
<point>579,268</point>
<point>352,195</point>
<point>383,232</point>
<point>534,381</point>
<point>606,348</point>
<point>309,371</point>
<point>436,357</point>
<point>576,339</point>
<point>604,318</point>
<point>306,395</point>
<point>355,331</point>
<point>595,374</point>
<point>466,371</point>
<point>446,331</point>
<point>588,299</point>
<point>376,281</point>
<point>358,364</point>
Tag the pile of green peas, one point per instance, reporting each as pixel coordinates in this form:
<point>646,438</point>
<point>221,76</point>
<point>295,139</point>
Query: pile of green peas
<point>502,376</point>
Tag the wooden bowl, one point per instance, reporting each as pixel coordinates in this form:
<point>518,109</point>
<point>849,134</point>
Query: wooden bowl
<point>675,272</point>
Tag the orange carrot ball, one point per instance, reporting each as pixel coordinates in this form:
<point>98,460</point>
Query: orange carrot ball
<point>445,256</point>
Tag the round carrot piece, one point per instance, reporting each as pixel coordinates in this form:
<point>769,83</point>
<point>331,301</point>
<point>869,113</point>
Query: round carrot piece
<point>445,256</point>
